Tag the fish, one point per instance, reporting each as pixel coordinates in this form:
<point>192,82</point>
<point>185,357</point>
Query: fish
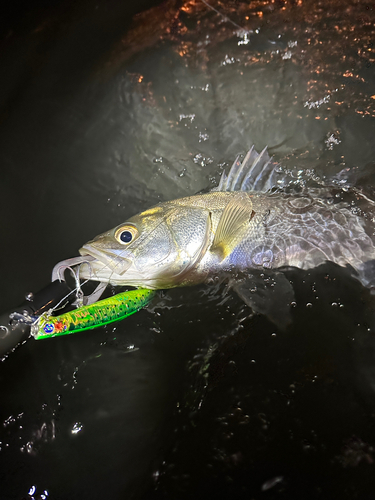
<point>249,229</point>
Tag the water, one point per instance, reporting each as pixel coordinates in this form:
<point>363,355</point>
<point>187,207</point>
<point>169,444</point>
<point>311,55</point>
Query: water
<point>102,118</point>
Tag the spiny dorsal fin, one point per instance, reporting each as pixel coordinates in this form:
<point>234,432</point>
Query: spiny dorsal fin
<point>237,213</point>
<point>255,173</point>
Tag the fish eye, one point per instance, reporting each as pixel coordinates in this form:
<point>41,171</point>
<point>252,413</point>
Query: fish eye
<point>126,234</point>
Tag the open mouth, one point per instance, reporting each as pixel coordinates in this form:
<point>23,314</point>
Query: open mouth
<point>114,263</point>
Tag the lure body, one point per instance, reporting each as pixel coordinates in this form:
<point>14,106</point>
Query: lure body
<point>87,317</point>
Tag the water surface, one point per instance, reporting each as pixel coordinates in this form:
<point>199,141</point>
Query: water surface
<point>102,117</point>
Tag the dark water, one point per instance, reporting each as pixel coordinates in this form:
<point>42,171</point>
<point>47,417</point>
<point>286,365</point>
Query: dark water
<point>102,116</point>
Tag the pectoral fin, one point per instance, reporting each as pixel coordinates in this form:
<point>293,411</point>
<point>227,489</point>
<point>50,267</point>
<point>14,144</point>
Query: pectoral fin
<point>270,294</point>
<point>236,215</point>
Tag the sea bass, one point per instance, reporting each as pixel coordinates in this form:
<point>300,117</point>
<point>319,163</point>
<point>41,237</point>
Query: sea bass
<point>246,225</point>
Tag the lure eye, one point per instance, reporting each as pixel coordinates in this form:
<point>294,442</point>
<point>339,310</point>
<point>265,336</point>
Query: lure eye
<point>126,234</point>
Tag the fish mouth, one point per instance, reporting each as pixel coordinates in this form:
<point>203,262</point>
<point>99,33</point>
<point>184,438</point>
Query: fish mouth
<point>105,264</point>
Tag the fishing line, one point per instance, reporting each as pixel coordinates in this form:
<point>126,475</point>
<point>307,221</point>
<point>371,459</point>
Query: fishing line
<point>70,293</point>
<point>224,17</point>
<point>79,285</point>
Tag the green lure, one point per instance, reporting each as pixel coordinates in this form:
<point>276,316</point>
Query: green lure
<point>87,317</point>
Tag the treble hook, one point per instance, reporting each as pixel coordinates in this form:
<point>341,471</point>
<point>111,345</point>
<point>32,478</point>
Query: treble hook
<point>58,274</point>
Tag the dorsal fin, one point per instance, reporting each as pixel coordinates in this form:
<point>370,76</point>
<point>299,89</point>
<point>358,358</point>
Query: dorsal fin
<point>256,173</point>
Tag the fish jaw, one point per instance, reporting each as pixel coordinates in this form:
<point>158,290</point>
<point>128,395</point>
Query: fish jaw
<point>99,270</point>
<point>110,260</point>
<point>105,267</point>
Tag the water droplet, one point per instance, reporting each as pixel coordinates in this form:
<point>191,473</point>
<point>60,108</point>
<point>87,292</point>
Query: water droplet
<point>202,137</point>
<point>189,117</point>
<point>309,304</point>
<point>272,482</point>
<point>32,490</point>
<point>77,427</point>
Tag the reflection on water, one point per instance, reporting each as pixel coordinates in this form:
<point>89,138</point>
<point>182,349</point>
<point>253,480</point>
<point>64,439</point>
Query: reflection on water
<point>196,395</point>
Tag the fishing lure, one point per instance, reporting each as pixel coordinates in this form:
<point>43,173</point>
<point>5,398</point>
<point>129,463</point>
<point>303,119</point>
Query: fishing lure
<point>91,316</point>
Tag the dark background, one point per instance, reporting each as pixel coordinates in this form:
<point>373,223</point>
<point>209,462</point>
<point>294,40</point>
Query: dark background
<point>195,396</point>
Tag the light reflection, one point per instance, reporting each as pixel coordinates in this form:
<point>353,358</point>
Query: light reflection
<point>332,141</point>
<point>41,496</point>
<point>317,104</point>
<point>77,428</point>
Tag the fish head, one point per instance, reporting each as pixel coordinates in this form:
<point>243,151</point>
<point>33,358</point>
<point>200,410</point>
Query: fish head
<point>154,249</point>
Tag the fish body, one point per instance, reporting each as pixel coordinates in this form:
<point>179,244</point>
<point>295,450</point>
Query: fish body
<point>246,224</point>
